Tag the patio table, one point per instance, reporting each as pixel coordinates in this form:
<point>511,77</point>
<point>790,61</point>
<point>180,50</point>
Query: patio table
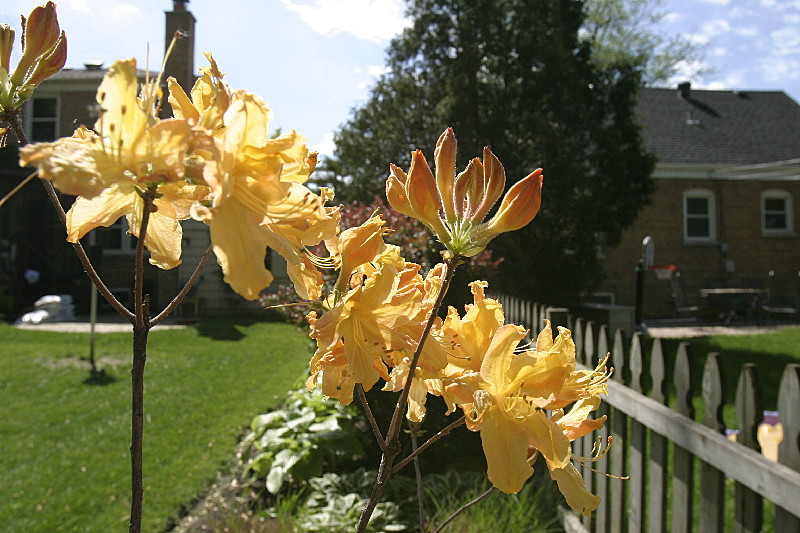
<point>734,301</point>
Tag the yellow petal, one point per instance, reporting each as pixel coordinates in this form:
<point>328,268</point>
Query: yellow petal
<point>494,369</point>
<point>548,437</point>
<point>240,248</point>
<point>506,449</point>
<point>571,485</point>
<point>103,210</point>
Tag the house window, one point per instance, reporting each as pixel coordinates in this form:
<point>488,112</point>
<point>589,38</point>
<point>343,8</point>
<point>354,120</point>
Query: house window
<point>115,238</point>
<point>777,215</point>
<point>43,119</point>
<point>699,216</point>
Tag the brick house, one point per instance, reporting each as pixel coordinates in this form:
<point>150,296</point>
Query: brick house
<point>32,237</point>
<point>723,211</point>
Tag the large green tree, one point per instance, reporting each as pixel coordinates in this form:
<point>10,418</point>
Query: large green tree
<point>517,76</point>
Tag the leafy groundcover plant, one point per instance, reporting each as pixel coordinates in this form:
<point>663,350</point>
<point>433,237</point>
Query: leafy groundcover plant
<point>214,161</point>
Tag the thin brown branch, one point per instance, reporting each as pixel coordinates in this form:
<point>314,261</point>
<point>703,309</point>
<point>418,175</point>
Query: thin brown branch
<point>414,428</point>
<point>141,328</point>
<point>372,422</point>
<point>184,291</point>
<point>402,402</point>
<point>16,189</point>
<point>463,508</point>
<point>393,447</point>
<point>415,453</point>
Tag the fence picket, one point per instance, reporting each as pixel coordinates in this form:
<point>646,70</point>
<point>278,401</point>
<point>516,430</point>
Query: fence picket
<point>601,480</point>
<point>637,451</point>
<point>657,464</point>
<point>642,429</point>
<point>712,497</point>
<point>789,449</point>
<point>683,461</point>
<point>619,430</point>
<point>748,507</point>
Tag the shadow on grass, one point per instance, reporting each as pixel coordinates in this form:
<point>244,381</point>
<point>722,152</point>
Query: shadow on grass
<point>99,378</point>
<point>228,328</point>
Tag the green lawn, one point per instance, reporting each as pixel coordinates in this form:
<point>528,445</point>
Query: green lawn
<point>65,462</point>
<point>769,352</point>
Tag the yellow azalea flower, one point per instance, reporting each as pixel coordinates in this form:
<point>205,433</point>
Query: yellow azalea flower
<point>129,151</point>
<point>210,98</point>
<point>355,246</point>
<point>365,318</point>
<point>131,145</point>
<point>257,201</point>
<point>331,364</point>
<point>44,52</point>
<point>455,207</point>
<point>469,337</point>
<point>507,422</point>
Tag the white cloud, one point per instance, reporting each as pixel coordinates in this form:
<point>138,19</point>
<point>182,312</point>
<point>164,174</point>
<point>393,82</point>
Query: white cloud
<point>733,80</point>
<point>326,146</point>
<point>780,69</point>
<point>371,20</point>
<point>709,30</point>
<point>786,40</point>
<point>718,2</point>
<point>718,51</point>
<point>746,31</point>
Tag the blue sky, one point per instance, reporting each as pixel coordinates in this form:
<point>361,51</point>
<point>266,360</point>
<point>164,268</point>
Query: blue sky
<point>313,60</point>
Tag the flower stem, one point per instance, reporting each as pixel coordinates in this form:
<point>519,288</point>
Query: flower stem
<point>415,453</point>
<point>393,447</point>
<point>141,329</point>
<point>464,508</point>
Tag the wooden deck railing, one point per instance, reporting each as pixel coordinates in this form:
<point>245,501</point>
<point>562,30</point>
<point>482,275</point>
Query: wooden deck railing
<point>684,475</point>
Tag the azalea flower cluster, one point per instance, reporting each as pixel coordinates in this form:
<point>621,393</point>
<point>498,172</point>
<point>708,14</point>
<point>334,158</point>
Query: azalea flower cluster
<point>376,318</point>
<point>213,161</point>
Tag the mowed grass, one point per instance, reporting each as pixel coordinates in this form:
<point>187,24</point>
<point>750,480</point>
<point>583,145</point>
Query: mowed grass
<point>65,435</point>
<point>768,352</point>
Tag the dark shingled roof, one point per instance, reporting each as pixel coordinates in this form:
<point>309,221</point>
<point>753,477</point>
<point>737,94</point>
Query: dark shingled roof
<point>720,127</point>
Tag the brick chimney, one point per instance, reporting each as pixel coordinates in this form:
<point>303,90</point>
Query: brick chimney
<point>684,89</point>
<point>181,62</point>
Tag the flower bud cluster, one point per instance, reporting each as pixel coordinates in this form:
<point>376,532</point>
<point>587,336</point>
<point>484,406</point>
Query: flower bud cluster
<point>44,52</point>
<point>454,207</point>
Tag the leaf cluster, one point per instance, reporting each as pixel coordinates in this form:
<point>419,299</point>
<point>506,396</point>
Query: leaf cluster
<point>308,435</point>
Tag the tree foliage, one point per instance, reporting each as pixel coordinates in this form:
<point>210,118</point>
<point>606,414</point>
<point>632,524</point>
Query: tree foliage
<point>518,77</point>
<point>625,30</point>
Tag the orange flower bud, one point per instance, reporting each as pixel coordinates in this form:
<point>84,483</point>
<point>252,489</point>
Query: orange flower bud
<point>396,191</point>
<point>40,36</point>
<point>6,44</point>
<point>520,204</point>
<point>467,190</point>
<point>423,194</point>
<point>445,159</point>
<point>493,184</point>
<point>51,63</point>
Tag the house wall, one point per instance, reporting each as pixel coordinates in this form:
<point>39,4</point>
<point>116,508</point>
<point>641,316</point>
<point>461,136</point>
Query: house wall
<point>740,252</point>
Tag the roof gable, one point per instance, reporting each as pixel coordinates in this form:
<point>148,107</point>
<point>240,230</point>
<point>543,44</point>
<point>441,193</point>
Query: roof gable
<point>719,127</point>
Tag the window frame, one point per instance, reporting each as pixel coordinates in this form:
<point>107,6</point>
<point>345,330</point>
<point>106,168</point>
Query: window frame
<point>31,119</point>
<point>788,212</point>
<point>711,203</point>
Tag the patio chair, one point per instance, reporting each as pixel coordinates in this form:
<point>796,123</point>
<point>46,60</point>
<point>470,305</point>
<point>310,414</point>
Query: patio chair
<point>782,301</point>
<point>682,307</point>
